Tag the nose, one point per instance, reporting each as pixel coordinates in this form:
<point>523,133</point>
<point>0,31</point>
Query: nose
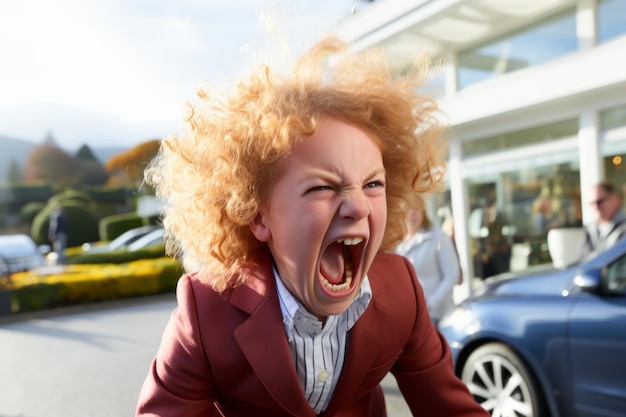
<point>354,205</point>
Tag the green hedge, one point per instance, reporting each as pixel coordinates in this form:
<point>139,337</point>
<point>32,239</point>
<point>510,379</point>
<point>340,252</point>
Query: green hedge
<point>117,256</point>
<point>15,195</point>
<point>82,223</point>
<point>106,194</point>
<point>112,226</point>
<point>95,283</point>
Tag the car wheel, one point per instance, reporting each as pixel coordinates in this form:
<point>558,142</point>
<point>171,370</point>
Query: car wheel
<point>501,382</point>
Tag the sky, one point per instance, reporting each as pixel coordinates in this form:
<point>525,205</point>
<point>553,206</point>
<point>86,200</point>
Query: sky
<point>118,72</point>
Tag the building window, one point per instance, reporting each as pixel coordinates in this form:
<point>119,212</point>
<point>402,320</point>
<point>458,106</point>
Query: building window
<point>613,134</point>
<point>512,212</point>
<point>520,186</point>
<point>613,118</point>
<point>530,46</point>
<point>510,140</point>
<point>611,19</point>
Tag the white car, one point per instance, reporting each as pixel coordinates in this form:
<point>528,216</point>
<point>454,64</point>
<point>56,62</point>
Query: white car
<point>122,241</point>
<point>150,239</point>
<point>19,253</point>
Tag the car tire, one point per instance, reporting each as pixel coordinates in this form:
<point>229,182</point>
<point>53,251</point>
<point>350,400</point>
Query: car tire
<point>501,382</point>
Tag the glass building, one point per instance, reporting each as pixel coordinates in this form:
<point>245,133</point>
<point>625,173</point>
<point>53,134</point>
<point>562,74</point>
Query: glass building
<point>536,94</point>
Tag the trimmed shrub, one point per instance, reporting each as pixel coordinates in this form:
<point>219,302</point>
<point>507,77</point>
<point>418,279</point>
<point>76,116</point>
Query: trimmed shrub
<point>154,220</point>
<point>117,195</point>
<point>82,224</point>
<point>15,195</point>
<point>71,195</point>
<point>79,284</point>
<point>36,296</point>
<point>117,256</point>
<point>30,210</point>
<point>112,226</point>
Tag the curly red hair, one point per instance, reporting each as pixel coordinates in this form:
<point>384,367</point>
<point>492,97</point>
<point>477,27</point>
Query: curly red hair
<point>215,176</point>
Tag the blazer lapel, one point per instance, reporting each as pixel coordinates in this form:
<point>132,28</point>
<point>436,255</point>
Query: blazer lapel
<point>361,351</point>
<point>263,341</point>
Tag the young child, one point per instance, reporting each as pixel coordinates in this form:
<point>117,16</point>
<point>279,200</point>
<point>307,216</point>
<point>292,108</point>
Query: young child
<point>283,198</point>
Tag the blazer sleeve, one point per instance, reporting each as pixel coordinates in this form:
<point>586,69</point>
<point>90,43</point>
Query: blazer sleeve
<point>179,382</point>
<point>425,373</point>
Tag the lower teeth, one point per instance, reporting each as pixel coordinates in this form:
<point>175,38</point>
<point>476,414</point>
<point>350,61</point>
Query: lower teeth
<point>338,287</point>
<point>346,283</point>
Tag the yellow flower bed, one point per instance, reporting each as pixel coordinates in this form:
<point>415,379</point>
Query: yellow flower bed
<point>73,284</point>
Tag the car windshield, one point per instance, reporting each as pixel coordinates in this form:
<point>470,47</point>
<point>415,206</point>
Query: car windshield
<point>130,236</point>
<point>149,239</point>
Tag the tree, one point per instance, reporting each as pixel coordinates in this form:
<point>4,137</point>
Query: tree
<point>15,173</point>
<point>84,153</point>
<point>90,171</point>
<point>127,168</point>
<point>51,164</point>
<point>49,139</point>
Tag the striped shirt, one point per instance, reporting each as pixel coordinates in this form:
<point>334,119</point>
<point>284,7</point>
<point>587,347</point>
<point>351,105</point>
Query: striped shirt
<point>318,351</point>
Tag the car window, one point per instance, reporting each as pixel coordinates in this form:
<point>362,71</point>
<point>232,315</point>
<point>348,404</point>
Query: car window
<point>130,236</point>
<point>616,276</point>
<point>149,239</point>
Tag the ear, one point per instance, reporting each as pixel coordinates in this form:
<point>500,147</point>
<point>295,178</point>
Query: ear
<point>259,228</point>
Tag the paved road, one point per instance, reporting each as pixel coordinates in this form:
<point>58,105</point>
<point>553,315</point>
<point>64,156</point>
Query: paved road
<point>78,363</point>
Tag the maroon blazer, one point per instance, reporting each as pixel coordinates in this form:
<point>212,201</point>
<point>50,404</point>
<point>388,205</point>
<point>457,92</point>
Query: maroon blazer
<point>227,355</point>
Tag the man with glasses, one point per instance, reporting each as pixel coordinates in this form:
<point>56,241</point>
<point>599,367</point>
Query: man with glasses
<point>610,224</point>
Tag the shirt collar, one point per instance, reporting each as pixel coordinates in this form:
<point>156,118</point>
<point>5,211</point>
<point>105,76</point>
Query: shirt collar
<point>289,306</point>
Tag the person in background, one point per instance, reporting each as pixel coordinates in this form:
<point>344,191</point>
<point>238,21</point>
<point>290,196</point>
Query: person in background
<point>57,233</point>
<point>288,195</point>
<point>609,225</point>
<point>545,210</point>
<point>433,255</point>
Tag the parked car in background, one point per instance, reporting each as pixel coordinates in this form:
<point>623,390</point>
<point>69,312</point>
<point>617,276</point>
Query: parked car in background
<point>152,238</point>
<point>547,343</point>
<point>19,253</point>
<point>121,241</point>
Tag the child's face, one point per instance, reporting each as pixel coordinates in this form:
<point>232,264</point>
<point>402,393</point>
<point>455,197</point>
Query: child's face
<point>331,188</point>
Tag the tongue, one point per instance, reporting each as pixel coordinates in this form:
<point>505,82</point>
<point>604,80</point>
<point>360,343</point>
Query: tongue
<point>332,263</point>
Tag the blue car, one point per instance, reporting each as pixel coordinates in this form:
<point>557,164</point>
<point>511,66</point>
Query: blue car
<point>548,343</point>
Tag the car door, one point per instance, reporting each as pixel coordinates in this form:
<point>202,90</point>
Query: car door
<point>597,335</point>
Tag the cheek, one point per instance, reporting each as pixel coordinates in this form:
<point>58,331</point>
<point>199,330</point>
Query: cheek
<point>379,216</point>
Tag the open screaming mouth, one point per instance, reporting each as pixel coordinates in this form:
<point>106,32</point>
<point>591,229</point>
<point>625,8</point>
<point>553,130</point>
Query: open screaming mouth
<point>337,263</point>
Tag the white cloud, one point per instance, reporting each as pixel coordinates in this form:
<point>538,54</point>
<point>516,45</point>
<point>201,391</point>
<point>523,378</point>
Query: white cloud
<point>125,68</point>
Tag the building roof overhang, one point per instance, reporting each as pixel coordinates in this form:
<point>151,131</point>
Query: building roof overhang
<point>405,28</point>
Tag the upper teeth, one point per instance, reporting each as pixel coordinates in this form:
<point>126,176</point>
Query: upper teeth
<point>350,241</point>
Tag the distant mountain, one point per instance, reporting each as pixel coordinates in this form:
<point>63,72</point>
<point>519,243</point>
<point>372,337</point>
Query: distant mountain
<point>18,150</point>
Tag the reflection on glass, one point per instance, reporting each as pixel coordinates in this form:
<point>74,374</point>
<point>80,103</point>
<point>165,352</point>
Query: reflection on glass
<point>510,140</point>
<point>611,19</point>
<point>531,46</point>
<point>613,121</point>
<point>511,214</point>
<point>613,118</point>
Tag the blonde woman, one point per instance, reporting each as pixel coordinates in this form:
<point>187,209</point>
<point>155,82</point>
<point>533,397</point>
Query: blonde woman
<point>431,252</point>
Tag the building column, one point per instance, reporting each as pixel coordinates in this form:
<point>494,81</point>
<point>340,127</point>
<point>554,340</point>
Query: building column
<point>586,24</point>
<point>590,156</point>
<point>460,214</point>
<point>450,74</point>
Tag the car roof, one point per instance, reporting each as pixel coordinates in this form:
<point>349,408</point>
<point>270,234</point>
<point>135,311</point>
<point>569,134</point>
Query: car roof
<point>16,245</point>
<point>147,239</point>
<point>131,235</point>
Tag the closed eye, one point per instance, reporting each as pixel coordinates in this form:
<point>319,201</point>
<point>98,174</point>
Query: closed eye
<point>319,188</point>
